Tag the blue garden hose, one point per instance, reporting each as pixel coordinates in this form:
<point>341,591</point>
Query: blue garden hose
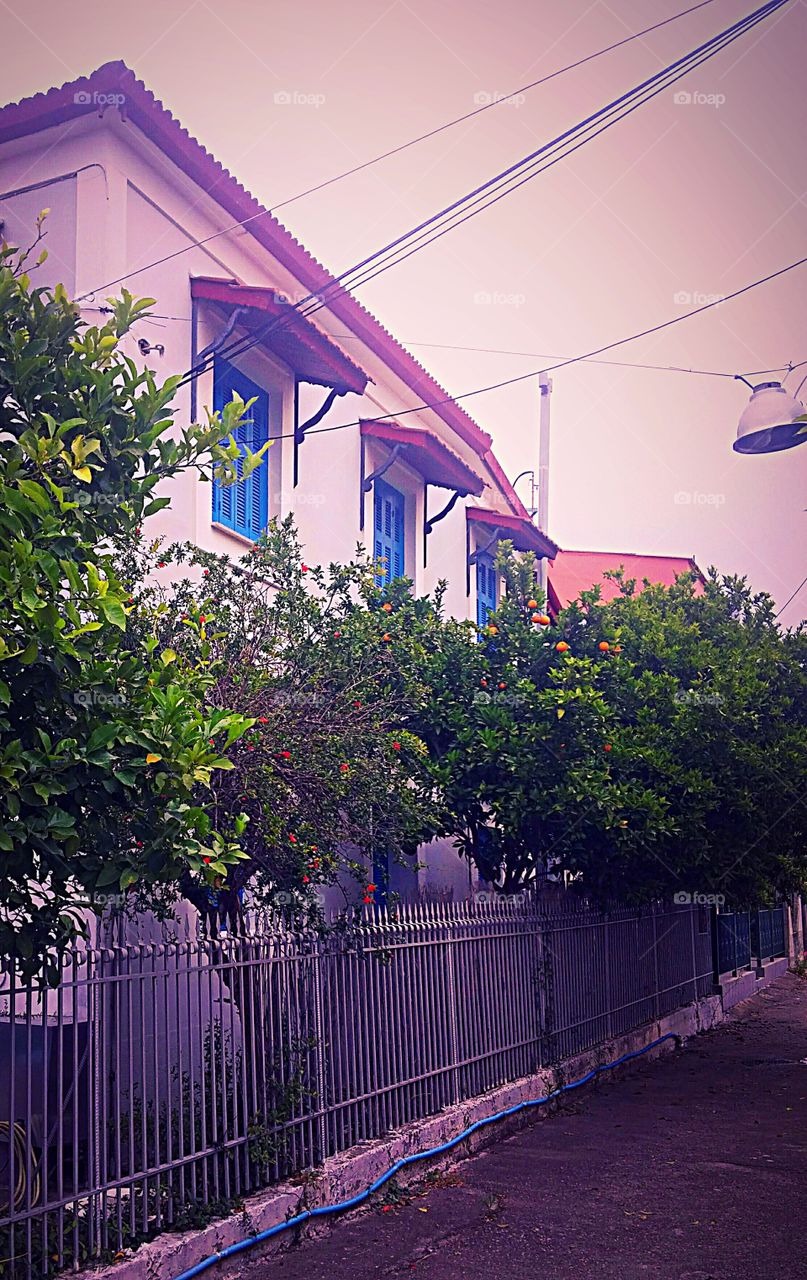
<point>363,1196</point>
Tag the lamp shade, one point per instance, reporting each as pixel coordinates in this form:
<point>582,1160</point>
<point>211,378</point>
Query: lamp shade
<point>769,421</point>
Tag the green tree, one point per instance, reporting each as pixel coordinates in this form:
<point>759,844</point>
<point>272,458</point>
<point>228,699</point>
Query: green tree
<point>520,737</point>
<point>105,743</point>
<point>710,706</point>
<point>326,666</point>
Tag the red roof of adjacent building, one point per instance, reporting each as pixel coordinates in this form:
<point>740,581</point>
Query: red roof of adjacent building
<point>574,571</point>
<point>90,94</point>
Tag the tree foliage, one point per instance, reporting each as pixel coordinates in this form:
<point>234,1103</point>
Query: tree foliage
<point>105,744</point>
<point>326,667</point>
<point>649,745</point>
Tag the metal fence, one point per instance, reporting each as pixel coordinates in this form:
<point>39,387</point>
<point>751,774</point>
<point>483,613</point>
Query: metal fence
<point>160,1083</point>
<point>744,939</point>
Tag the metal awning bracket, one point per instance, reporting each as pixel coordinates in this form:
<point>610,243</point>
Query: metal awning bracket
<point>481,551</point>
<point>395,452</point>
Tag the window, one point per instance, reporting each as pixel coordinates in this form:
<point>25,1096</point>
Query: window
<point>486,589</point>
<point>388,532</point>
<point>244,506</point>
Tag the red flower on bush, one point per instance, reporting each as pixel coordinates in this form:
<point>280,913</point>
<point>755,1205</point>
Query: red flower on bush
<point>396,746</point>
<point>343,768</point>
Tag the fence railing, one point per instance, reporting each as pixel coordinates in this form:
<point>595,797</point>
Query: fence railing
<point>744,939</point>
<point>160,1083</point>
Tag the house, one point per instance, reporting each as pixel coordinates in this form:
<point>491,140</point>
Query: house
<point>571,572</point>
<point>134,199</point>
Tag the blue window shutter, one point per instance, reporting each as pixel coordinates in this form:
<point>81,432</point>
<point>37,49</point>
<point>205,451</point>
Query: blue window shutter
<point>244,506</point>
<point>486,584</point>
<point>389,532</point>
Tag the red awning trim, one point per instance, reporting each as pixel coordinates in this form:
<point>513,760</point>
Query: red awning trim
<point>427,454</point>
<point>517,529</point>
<point>298,342</point>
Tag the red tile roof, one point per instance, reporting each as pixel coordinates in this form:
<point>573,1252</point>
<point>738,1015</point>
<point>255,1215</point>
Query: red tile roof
<point>105,86</point>
<point>574,571</point>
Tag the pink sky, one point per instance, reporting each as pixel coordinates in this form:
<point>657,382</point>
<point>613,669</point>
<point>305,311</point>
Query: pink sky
<point>679,200</point>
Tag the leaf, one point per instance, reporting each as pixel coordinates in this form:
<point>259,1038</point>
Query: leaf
<point>151,758</point>
<point>167,657</point>
<point>109,875</point>
<point>113,611</point>
<point>35,492</point>
<point>82,473</point>
<point>155,505</point>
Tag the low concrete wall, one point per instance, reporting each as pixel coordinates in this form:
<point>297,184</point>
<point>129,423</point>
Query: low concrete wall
<point>732,990</point>
<point>350,1172</point>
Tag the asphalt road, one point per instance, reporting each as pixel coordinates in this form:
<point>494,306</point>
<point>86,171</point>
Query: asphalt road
<point>692,1167</point>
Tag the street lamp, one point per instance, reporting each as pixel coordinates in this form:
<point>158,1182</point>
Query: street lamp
<point>772,420</point>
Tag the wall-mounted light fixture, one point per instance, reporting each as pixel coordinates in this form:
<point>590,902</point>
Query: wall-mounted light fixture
<point>145,347</point>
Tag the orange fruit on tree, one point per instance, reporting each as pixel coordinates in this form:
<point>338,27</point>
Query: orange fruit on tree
<point>544,619</point>
<point>561,646</point>
<point>492,630</point>
<point>604,645</point>
<point>532,604</point>
<point>387,607</point>
<point>536,617</point>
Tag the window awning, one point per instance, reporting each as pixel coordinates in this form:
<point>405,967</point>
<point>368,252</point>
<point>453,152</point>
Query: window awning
<point>523,534</point>
<point>427,454</point>
<point>312,355</point>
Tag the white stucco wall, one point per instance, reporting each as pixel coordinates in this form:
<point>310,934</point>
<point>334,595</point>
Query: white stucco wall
<point>123,205</point>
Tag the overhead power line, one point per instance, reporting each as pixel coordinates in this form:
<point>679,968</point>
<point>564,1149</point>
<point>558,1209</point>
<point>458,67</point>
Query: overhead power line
<point>510,179</point>
<point>616,364</point>
<point>562,364</point>
<point>792,598</point>
<point>405,146</point>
